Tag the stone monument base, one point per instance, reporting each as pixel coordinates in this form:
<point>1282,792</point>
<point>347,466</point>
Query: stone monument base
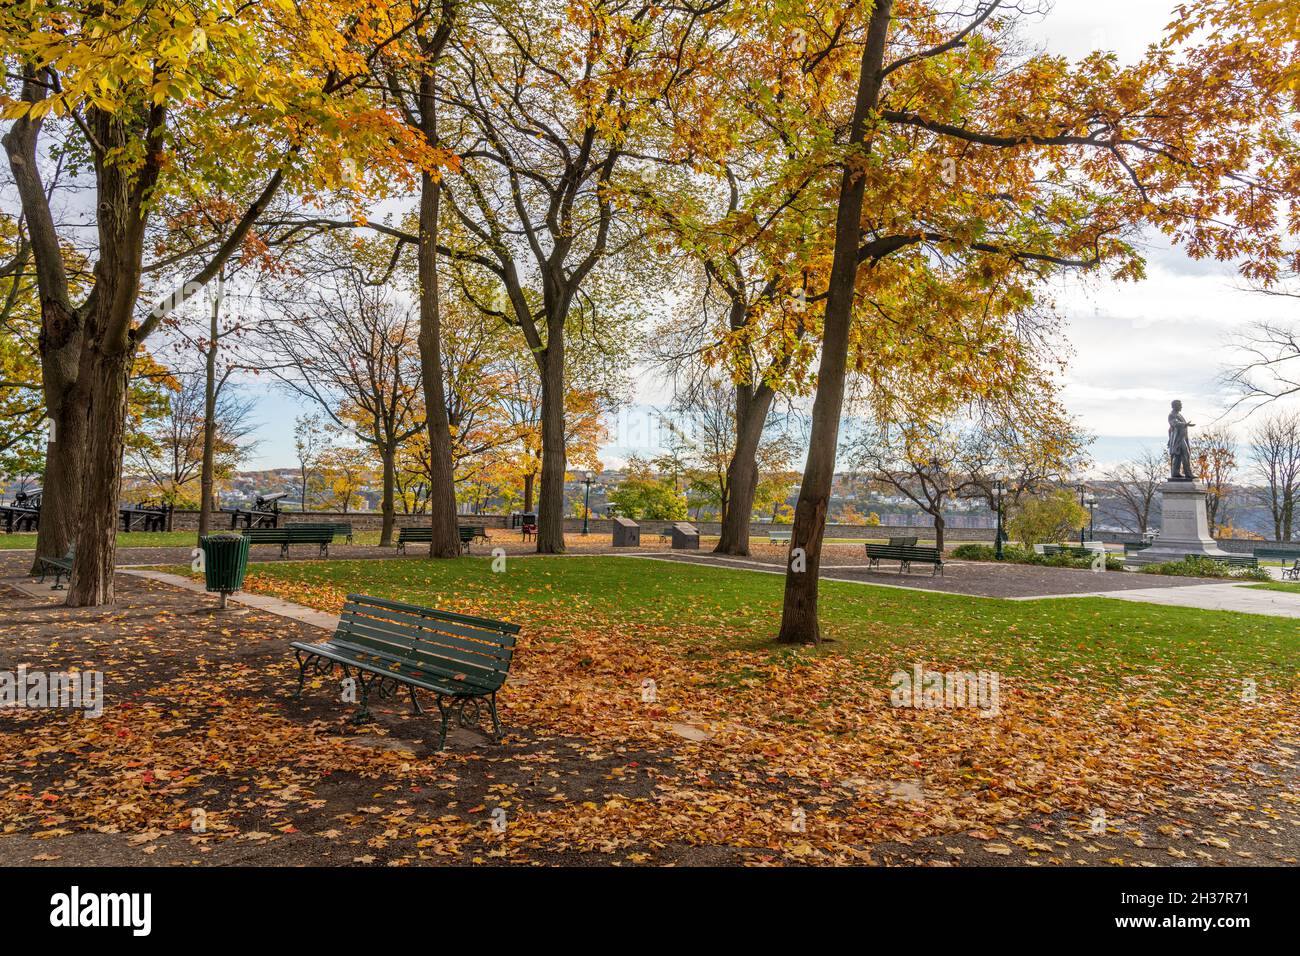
<point>1184,526</point>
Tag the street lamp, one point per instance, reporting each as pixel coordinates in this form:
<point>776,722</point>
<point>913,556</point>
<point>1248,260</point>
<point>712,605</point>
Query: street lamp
<point>997,536</point>
<point>1091,502</point>
<point>586,501</point>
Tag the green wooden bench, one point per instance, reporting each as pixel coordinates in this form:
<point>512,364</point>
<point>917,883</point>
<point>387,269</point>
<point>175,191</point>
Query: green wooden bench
<point>412,534</point>
<point>1231,560</point>
<point>341,529</point>
<point>1073,550</point>
<point>469,532</point>
<point>290,534</point>
<point>904,556</point>
<point>461,660</point>
<point>60,567</point>
<point>779,535</point>
<point>1292,573</point>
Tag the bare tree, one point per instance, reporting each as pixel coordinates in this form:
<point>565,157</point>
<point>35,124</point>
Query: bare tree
<point>178,444</point>
<point>353,352</point>
<point>1275,453</point>
<point>1133,485</point>
<point>1214,457</point>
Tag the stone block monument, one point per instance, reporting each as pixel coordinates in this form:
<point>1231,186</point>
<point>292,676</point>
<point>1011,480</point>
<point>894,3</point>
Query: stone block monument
<point>1184,524</point>
<point>685,537</point>
<point>627,533</point>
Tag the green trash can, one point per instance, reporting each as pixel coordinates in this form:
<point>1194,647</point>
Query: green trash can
<point>225,561</point>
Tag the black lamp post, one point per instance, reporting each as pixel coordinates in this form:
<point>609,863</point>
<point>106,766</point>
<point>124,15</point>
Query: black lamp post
<point>997,536</point>
<point>1092,517</point>
<point>586,502</point>
<point>1081,503</point>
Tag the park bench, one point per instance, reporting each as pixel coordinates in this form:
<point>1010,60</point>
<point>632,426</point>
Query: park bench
<point>904,556</point>
<point>529,531</point>
<point>462,660</point>
<point>341,529</point>
<point>416,534</point>
<point>321,537</point>
<point>1130,547</point>
<point>60,567</point>
<point>779,535</point>
<point>475,531</point>
<point>1231,560</point>
<point>1073,550</point>
<point>1292,573</point>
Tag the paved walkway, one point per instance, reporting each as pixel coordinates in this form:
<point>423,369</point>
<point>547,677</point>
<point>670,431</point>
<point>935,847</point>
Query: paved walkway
<point>1217,597</point>
<point>263,602</point>
<point>1018,582</point>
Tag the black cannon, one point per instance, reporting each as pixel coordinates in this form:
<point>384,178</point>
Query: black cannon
<point>146,516</point>
<point>24,514</point>
<point>264,512</point>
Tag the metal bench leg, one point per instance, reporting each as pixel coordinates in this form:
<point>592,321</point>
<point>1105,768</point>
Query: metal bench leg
<point>496,722</point>
<point>415,704</point>
<point>363,716</point>
<point>442,733</point>
<point>302,672</point>
<point>284,550</point>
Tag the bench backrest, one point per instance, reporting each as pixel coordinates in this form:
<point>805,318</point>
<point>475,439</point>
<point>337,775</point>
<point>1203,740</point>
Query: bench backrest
<point>472,650</point>
<point>414,533</point>
<point>1277,552</point>
<point>902,554</point>
<point>291,533</point>
<point>338,527</point>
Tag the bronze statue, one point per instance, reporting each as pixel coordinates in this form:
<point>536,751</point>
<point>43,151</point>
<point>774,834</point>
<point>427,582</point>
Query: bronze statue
<point>1180,445</point>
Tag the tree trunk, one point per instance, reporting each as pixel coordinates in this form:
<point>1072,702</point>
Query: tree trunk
<point>799,623</point>
<point>388,453</point>
<point>550,510</point>
<point>938,531</point>
<point>528,491</point>
<point>445,542</point>
<point>61,485</point>
<point>209,415</point>
<point>742,470</point>
<point>106,376</point>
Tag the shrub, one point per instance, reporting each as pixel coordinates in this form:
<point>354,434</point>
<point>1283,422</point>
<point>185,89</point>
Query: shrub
<point>1197,567</point>
<point>1048,519</point>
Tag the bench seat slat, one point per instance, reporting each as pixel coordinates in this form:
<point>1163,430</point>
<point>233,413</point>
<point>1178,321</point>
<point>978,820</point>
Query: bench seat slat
<point>462,674</point>
<point>375,665</point>
<point>479,644</point>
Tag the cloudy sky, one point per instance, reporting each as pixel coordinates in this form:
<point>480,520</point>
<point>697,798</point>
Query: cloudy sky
<point>1134,346</point>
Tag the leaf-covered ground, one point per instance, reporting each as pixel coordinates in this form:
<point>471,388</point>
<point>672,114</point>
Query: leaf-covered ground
<point>1174,728</point>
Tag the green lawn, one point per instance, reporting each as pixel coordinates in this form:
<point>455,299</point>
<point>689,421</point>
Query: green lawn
<point>136,539</point>
<point>1292,586</point>
<point>713,609</point>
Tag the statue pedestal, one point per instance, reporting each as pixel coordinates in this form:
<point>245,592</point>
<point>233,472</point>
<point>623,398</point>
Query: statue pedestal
<point>1184,526</point>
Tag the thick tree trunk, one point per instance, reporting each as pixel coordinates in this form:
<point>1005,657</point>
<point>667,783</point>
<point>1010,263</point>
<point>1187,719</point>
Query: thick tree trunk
<point>550,505</point>
<point>61,484</point>
<point>106,376</point>
<point>742,470</point>
<point>528,491</point>
<point>938,532</point>
<point>389,454</point>
<point>799,623</point>
<point>445,541</point>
